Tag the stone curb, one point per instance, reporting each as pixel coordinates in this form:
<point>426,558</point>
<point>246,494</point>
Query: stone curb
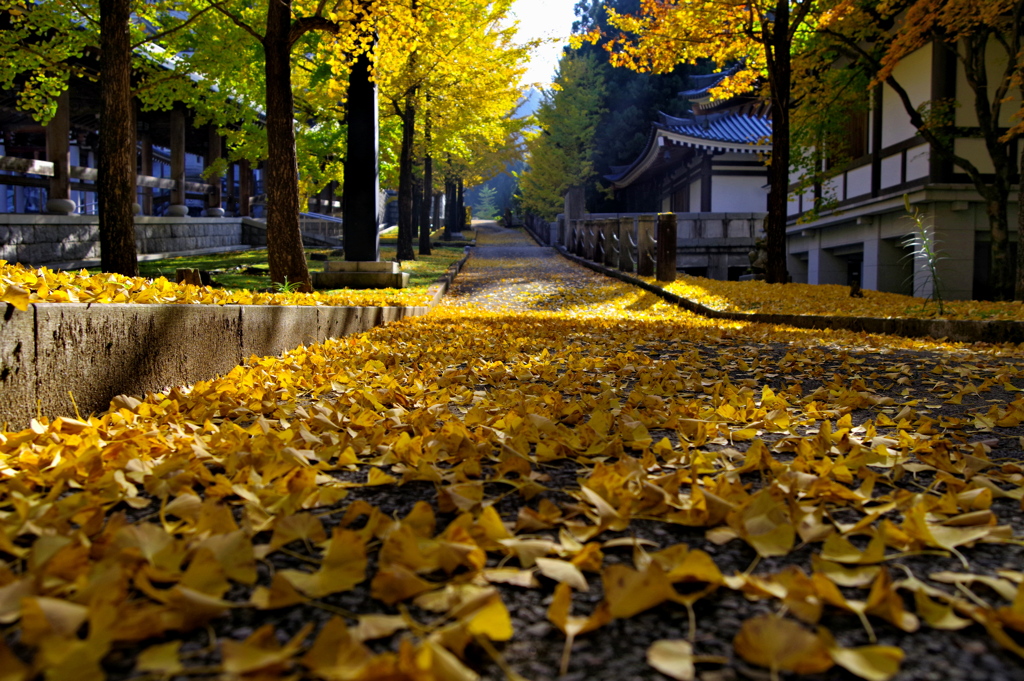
<point>94,352</point>
<point>965,331</point>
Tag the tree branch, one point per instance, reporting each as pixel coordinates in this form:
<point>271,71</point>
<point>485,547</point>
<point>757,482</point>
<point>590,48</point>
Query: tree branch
<point>303,25</point>
<point>172,30</point>
<point>236,21</point>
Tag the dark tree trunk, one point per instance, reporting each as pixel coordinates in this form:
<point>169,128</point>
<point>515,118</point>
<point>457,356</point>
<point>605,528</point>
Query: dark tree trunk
<point>428,192</point>
<point>362,171</point>
<point>284,240</point>
<point>417,204</point>
<point>116,194</point>
<point>460,216</point>
<point>780,77</point>
<point>405,181</point>
<point>1019,288</point>
<point>1001,275</point>
<point>436,209</point>
<point>428,189</point>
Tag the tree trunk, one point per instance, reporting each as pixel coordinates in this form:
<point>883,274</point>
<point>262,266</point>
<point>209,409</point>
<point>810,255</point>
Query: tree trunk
<point>1019,288</point>
<point>780,76</point>
<point>405,181</point>
<point>1001,275</point>
<point>284,240</point>
<point>362,169</point>
<point>460,202</point>
<point>417,203</point>
<point>428,192</point>
<point>435,220</point>
<point>117,142</point>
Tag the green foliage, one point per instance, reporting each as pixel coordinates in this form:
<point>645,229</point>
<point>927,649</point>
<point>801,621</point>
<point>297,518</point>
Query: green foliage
<point>924,247</point>
<point>484,207</point>
<point>562,149</point>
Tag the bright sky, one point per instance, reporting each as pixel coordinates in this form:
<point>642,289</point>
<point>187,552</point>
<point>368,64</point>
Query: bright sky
<point>544,19</point>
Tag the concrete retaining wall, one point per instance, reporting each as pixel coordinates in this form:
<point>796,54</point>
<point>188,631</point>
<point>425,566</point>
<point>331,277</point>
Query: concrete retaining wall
<point>96,352</point>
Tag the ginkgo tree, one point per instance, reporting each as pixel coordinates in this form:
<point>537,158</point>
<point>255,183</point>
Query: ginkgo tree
<point>763,35</point>
<point>561,149</point>
<point>459,81</point>
<point>46,45</point>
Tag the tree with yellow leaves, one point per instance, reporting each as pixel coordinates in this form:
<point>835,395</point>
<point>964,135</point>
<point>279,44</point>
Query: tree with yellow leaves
<point>763,35</point>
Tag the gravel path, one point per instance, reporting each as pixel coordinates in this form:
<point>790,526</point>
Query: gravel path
<point>566,378</point>
<point>508,273</point>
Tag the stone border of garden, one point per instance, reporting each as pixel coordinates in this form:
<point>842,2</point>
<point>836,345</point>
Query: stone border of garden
<point>966,331</point>
<point>94,352</point>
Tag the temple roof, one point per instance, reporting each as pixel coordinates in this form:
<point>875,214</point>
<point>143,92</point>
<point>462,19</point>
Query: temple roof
<point>715,129</point>
<point>727,131</point>
<point>703,84</point>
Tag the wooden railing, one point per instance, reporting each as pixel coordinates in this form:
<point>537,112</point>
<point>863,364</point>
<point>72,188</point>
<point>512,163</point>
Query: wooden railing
<point>649,244</point>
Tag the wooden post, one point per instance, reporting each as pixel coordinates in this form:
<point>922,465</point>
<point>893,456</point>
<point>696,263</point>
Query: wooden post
<point>177,207</point>
<point>231,200</point>
<point>611,251</point>
<point>214,151</point>
<point>626,249</point>
<point>244,188</point>
<point>644,239</point>
<point>58,153</point>
<point>666,258</point>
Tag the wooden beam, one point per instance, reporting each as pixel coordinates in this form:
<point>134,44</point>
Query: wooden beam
<point>58,154</point>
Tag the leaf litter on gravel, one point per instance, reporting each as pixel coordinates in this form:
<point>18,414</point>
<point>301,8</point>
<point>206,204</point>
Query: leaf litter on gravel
<point>609,454</point>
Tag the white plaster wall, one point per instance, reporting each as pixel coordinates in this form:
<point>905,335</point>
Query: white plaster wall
<point>792,204</point>
<point>974,151</point>
<point>996,59</point>
<point>833,188</point>
<point>891,171</point>
<point>666,204</point>
<point>914,74</point>
<point>858,181</point>
<point>917,162</point>
<point>695,196</point>
<point>735,194</point>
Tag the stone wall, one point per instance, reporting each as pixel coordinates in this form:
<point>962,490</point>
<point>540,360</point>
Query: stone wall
<point>46,239</point>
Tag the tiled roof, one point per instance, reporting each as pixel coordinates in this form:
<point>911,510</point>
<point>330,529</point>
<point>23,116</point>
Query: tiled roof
<point>729,131</point>
<point>701,84</point>
<point>729,127</point>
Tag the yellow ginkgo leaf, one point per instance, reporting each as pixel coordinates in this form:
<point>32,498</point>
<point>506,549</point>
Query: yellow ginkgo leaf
<point>672,658</point>
<point>781,645</point>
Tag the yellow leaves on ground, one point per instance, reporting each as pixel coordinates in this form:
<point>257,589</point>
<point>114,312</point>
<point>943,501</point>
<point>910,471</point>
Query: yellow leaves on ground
<point>828,300</point>
<point>581,442</point>
<point>21,286</point>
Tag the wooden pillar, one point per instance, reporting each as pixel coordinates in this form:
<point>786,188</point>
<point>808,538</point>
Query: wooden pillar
<point>705,184</point>
<point>230,199</point>
<point>136,204</point>
<point>666,258</point>
<point>244,188</point>
<point>177,208</point>
<point>626,257</point>
<point>58,152</point>
<point>146,170</point>
<point>214,151</point>
<point>645,253</point>
<point>612,245</point>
